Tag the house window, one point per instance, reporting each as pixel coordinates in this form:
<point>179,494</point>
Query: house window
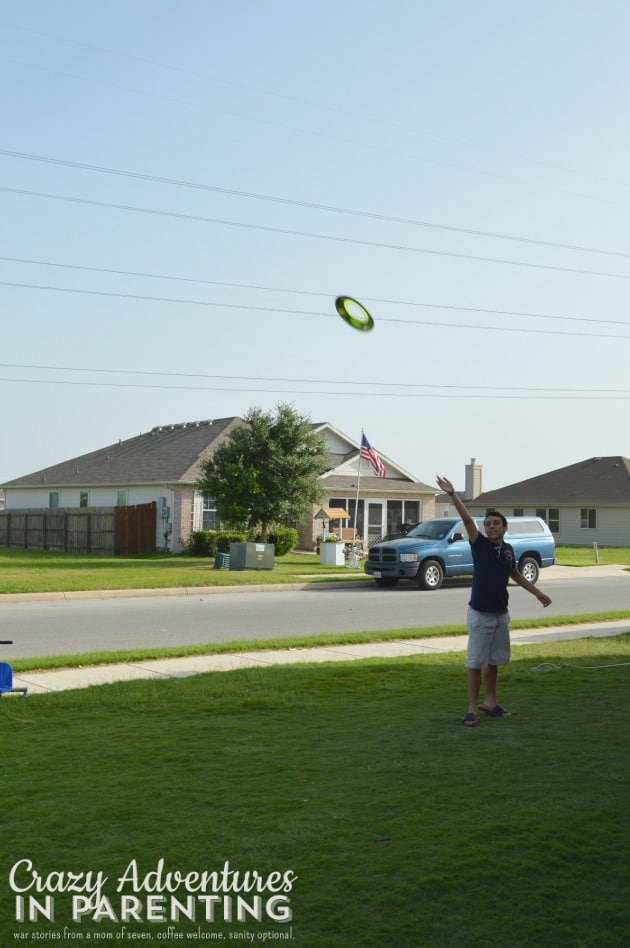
<point>349,505</point>
<point>121,498</point>
<point>83,498</point>
<point>53,498</point>
<point>210,520</point>
<point>412,511</point>
<point>551,515</point>
<point>518,511</point>
<point>394,516</point>
<point>588,518</point>
<point>399,512</point>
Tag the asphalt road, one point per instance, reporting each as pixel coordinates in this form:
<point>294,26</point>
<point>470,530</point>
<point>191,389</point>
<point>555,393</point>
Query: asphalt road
<point>62,627</point>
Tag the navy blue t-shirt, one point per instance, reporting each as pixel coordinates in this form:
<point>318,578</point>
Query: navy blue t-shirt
<point>492,566</point>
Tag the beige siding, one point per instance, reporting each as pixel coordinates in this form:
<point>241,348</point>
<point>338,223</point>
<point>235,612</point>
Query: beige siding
<point>613,525</point>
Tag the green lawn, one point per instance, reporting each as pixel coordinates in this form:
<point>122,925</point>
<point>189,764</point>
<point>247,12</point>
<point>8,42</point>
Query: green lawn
<point>585,556</point>
<point>26,571</point>
<point>400,827</point>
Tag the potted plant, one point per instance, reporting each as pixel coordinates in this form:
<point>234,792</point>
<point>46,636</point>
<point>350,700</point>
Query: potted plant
<point>331,551</point>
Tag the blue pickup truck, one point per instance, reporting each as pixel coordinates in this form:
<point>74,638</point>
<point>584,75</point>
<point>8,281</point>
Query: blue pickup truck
<point>435,549</point>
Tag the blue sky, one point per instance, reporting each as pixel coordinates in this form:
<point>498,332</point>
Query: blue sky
<point>460,168</point>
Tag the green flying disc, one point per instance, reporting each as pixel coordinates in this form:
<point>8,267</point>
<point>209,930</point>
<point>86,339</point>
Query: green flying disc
<point>354,313</point>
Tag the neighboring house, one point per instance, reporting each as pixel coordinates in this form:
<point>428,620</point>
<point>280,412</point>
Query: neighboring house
<point>584,503</point>
<point>163,466</point>
<point>384,503</point>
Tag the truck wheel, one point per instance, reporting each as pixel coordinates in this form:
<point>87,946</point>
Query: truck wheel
<point>430,575</point>
<point>387,582</point>
<point>529,568</point>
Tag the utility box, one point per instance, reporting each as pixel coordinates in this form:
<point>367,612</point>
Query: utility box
<point>222,561</point>
<point>251,555</point>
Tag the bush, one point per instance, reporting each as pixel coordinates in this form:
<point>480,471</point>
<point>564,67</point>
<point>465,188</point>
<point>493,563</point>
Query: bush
<point>202,543</point>
<point>224,540</point>
<point>284,539</point>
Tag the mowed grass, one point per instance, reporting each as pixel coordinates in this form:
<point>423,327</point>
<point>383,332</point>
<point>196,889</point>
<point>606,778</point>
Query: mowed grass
<point>35,571</point>
<point>403,828</point>
<point>585,556</point>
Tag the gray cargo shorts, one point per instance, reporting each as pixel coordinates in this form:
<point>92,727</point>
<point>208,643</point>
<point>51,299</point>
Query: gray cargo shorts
<point>488,638</point>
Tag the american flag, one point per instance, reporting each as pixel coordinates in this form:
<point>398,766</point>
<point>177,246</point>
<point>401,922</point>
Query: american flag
<point>368,452</point>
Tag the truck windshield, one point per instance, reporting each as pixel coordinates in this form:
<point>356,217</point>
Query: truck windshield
<point>432,529</point>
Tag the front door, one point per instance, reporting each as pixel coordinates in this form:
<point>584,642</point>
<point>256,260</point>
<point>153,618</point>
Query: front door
<point>375,523</point>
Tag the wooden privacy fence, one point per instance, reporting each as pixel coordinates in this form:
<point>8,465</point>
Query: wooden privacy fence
<point>113,531</point>
<point>134,529</point>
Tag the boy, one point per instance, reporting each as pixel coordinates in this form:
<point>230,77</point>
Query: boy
<point>488,617</point>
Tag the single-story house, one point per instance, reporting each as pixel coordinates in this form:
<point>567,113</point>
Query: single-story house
<point>583,503</point>
<point>162,465</point>
<point>383,503</point>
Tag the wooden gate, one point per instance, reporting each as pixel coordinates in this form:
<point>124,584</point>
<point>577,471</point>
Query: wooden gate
<point>135,528</point>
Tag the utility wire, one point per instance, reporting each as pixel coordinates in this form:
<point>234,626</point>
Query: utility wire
<point>335,392</point>
<point>336,109</point>
<point>328,294</point>
<point>346,142</point>
<point>309,234</point>
<point>156,179</point>
<point>273,310</point>
<point>371,383</point>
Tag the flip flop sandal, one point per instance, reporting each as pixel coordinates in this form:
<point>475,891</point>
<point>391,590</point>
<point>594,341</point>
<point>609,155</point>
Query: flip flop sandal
<point>496,712</point>
<point>470,720</point>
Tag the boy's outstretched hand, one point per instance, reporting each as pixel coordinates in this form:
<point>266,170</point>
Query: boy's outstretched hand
<point>445,484</point>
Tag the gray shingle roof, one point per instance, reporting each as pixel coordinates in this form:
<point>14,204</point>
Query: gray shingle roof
<point>596,481</point>
<point>384,485</point>
<point>166,454</point>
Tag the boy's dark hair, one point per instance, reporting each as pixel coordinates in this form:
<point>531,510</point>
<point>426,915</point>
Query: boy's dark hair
<point>495,513</point>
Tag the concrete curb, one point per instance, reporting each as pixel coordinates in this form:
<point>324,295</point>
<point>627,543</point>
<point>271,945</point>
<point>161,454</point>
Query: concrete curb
<point>169,591</point>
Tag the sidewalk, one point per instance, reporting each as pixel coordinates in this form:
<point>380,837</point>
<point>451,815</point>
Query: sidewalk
<point>67,679</point>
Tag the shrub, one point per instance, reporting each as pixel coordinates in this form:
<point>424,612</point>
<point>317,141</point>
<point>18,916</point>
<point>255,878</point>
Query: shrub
<point>201,543</point>
<point>284,539</point>
<point>224,540</point>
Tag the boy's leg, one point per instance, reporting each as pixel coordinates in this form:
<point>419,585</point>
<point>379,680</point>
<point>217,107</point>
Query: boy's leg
<point>490,684</point>
<point>474,686</point>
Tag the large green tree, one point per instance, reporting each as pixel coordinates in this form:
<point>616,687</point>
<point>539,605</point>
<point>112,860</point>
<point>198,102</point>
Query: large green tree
<point>267,471</point>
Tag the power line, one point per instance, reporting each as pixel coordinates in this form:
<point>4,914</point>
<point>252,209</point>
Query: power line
<point>334,392</point>
<point>326,294</point>
<point>273,310</point>
<point>264,378</point>
<point>291,202</point>
<point>196,218</point>
<point>308,131</point>
<point>336,109</point>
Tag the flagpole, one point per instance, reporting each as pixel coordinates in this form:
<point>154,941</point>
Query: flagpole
<point>356,502</point>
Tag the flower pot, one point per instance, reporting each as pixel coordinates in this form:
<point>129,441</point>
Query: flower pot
<point>331,554</point>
